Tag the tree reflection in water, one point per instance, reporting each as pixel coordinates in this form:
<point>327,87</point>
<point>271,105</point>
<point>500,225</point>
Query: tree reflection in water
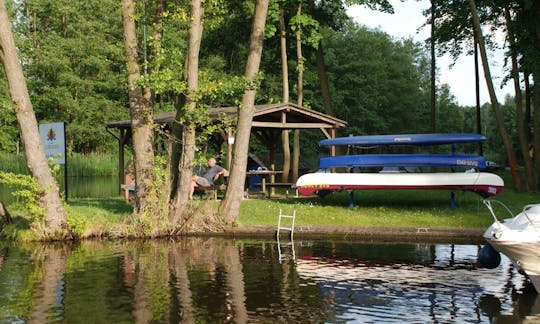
<point>207,279</point>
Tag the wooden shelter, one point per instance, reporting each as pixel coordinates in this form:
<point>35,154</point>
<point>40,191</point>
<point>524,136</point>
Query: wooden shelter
<point>268,121</point>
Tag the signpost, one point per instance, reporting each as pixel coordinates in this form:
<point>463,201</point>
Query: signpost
<point>54,143</point>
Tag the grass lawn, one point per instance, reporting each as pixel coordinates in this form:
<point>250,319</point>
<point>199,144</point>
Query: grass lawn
<point>377,208</point>
<point>386,208</point>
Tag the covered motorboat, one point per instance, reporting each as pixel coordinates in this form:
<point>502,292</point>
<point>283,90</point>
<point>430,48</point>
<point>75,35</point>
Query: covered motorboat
<point>518,238</point>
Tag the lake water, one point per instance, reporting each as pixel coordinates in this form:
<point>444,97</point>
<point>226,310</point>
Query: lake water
<point>220,280</point>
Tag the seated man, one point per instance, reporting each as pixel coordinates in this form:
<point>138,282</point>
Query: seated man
<point>207,180</point>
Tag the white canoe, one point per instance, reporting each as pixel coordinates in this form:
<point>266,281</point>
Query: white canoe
<point>485,184</point>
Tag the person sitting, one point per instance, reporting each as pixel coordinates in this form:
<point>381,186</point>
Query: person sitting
<point>208,178</point>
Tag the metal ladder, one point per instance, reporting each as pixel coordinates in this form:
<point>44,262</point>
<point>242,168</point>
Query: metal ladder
<point>282,256</point>
<point>285,228</point>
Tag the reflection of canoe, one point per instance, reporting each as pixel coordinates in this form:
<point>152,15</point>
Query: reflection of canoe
<point>402,160</point>
<point>405,139</point>
<point>485,184</point>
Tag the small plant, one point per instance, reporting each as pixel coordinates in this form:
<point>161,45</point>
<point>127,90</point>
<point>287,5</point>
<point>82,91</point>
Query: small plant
<point>26,191</point>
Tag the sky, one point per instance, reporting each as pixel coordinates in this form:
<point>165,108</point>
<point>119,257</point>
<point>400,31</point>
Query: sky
<point>407,21</point>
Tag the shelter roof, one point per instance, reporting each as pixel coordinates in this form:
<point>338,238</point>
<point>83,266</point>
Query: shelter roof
<point>278,115</point>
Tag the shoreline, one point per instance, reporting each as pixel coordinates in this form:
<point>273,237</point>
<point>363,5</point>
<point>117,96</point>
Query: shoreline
<point>386,234</point>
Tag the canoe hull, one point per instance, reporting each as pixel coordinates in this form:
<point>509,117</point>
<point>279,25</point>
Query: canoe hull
<point>485,184</point>
<point>404,139</point>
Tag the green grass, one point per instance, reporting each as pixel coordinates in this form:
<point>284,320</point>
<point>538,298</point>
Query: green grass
<point>94,217</point>
<point>398,208</point>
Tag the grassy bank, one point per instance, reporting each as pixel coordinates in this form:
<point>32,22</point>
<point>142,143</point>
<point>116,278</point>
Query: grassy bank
<point>392,209</point>
<point>397,208</point>
<point>79,165</point>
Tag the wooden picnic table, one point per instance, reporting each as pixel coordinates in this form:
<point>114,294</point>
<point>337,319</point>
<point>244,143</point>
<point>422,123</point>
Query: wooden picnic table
<point>271,174</point>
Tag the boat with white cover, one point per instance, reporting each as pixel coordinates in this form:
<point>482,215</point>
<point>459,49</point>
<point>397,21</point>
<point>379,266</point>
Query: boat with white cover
<point>485,184</point>
<point>518,238</point>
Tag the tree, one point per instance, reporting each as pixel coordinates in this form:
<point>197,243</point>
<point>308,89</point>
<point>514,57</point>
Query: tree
<point>495,104</point>
<point>74,62</point>
<point>230,205</point>
<point>520,120</point>
<point>142,121</point>
<point>55,216</point>
<point>190,99</point>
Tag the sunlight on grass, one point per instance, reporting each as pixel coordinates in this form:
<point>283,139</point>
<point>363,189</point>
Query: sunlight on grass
<point>397,208</point>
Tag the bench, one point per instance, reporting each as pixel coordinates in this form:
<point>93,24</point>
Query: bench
<point>211,189</point>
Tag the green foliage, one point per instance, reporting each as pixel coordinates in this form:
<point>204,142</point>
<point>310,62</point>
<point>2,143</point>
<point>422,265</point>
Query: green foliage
<point>75,66</point>
<point>25,189</point>
<point>375,82</point>
<point>8,123</point>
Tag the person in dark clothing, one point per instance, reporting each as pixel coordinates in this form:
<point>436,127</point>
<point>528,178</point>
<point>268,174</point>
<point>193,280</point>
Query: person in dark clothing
<point>208,178</point>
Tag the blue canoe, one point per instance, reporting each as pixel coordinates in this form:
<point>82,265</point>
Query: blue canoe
<point>402,160</point>
<point>405,139</point>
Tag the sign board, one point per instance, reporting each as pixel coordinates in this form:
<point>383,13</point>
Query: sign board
<point>54,141</point>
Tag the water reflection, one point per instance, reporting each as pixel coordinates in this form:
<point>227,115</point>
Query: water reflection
<point>221,280</point>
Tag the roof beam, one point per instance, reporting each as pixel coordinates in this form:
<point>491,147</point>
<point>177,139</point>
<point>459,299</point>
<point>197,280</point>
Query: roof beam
<point>290,125</point>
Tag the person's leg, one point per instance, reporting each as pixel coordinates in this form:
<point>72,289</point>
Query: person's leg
<point>192,189</point>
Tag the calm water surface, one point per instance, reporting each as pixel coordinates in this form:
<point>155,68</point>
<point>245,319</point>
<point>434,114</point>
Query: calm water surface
<point>216,280</point>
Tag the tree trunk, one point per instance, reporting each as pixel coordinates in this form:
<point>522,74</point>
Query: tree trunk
<point>522,133</point>
<point>494,103</point>
<point>142,121</point>
<point>323,79</point>
<point>536,122</point>
<point>286,155</point>
<point>433,101</point>
<point>285,86</point>
<point>230,206</point>
<point>284,64</point>
<point>527,117</point>
<point>300,97</point>
<point>187,159</point>
<point>55,216</point>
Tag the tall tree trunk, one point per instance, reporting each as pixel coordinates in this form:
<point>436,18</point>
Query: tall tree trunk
<point>187,159</point>
<point>522,133</point>
<point>527,117</point>
<point>230,205</point>
<point>300,97</point>
<point>142,120</point>
<point>283,49</point>
<point>536,122</point>
<point>55,216</point>
<point>433,102</point>
<point>323,80</point>
<point>494,103</point>
<point>286,155</point>
<point>285,87</point>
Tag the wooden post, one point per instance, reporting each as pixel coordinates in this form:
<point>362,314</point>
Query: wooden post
<point>333,148</point>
